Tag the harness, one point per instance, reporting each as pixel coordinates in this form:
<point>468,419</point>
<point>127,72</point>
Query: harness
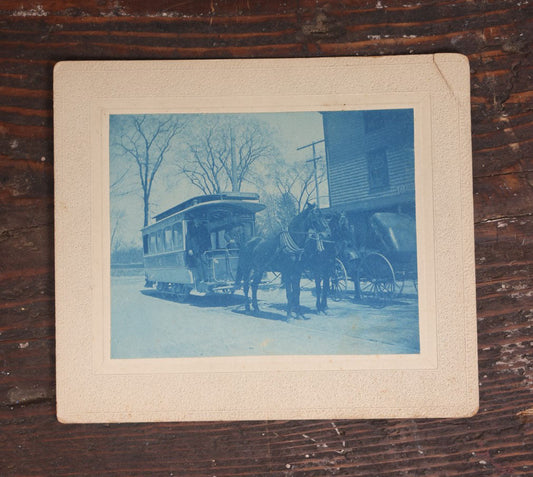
<point>317,237</point>
<point>288,245</point>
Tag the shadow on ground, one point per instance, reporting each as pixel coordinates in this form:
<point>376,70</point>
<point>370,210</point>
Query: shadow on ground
<point>208,301</point>
<point>265,315</point>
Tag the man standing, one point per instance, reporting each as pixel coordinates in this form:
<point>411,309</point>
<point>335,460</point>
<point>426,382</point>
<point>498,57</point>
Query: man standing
<point>198,242</point>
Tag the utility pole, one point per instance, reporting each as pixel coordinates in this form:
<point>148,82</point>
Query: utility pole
<point>314,160</point>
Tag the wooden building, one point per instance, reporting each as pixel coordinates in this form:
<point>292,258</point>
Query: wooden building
<point>370,159</point>
<point>370,163</point>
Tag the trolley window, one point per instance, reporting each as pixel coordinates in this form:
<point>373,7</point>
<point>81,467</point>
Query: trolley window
<point>159,241</point>
<point>168,239</point>
<point>145,244</point>
<point>221,239</point>
<point>153,248</point>
<point>177,236</point>
<point>248,230</point>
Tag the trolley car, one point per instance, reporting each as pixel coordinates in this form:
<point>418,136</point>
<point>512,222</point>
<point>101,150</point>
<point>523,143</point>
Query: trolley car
<point>194,246</point>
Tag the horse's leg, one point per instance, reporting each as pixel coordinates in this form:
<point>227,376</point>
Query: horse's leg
<point>245,288</point>
<point>288,293</point>
<point>255,285</point>
<point>238,279</point>
<point>325,290</point>
<point>295,279</point>
<point>317,291</point>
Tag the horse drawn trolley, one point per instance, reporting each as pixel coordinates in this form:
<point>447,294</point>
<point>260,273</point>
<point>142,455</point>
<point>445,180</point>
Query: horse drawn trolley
<point>194,246</point>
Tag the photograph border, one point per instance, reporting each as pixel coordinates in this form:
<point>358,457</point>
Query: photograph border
<point>103,91</point>
<point>425,359</point>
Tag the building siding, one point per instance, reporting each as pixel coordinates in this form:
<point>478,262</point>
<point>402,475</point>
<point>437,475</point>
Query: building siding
<point>353,140</point>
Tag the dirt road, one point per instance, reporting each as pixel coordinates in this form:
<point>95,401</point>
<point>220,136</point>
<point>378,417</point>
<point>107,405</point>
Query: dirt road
<point>146,324</point>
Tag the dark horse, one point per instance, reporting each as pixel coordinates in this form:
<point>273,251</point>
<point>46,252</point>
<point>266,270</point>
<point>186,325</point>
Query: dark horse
<point>346,251</point>
<point>334,242</point>
<point>282,253</point>
<point>319,260</point>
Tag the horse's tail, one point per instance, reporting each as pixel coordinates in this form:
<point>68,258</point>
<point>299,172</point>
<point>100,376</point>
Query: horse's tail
<point>244,265</point>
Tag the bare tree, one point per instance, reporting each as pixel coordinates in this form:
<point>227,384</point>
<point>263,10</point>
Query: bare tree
<point>286,187</point>
<point>222,153</point>
<point>147,139</point>
<point>298,182</point>
<point>116,216</point>
<point>280,210</point>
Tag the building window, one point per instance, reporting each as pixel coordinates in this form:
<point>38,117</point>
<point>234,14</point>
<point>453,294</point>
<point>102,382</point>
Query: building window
<point>378,170</point>
<point>373,120</point>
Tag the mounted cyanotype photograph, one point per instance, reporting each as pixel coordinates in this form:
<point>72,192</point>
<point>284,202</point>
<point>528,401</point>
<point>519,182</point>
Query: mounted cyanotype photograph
<point>272,233</point>
<point>264,239</point>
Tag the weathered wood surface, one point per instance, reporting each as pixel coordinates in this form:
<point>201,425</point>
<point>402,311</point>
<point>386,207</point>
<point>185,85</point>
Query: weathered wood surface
<point>496,35</point>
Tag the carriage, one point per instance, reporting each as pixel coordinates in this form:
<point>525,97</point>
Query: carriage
<point>380,267</point>
<point>194,246</point>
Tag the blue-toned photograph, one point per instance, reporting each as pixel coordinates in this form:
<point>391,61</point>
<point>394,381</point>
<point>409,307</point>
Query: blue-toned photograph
<point>256,234</point>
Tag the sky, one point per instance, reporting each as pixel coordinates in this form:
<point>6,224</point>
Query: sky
<point>289,130</point>
<point>292,130</point>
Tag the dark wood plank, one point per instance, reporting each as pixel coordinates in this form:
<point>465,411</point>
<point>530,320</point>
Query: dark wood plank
<point>496,36</point>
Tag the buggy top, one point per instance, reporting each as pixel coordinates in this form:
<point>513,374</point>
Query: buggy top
<point>396,232</point>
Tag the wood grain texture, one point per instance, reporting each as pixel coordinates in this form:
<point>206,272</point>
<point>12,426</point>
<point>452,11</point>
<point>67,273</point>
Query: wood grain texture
<point>497,37</point>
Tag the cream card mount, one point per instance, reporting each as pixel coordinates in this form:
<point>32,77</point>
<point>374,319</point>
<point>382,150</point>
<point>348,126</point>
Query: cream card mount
<point>197,205</point>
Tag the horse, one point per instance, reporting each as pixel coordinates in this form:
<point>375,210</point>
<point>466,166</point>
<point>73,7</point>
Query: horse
<point>319,261</point>
<point>345,249</point>
<point>282,253</point>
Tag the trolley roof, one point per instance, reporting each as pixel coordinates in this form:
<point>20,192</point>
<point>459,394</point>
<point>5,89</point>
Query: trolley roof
<point>245,201</point>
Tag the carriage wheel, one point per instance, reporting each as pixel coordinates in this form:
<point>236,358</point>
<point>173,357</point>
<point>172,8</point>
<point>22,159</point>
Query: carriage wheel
<point>339,281</point>
<point>377,281</point>
<point>181,292</point>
